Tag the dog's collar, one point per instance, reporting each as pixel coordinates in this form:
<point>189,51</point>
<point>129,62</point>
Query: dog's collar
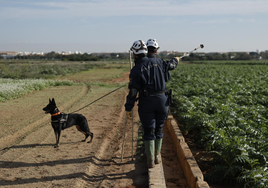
<point>58,113</point>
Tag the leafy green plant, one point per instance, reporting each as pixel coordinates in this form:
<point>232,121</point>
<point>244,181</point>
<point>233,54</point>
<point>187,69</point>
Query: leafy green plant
<point>226,107</point>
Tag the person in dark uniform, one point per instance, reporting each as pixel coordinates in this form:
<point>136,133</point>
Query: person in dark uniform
<point>147,78</point>
<point>152,46</point>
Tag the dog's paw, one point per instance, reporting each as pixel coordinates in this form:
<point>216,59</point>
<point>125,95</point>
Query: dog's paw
<point>56,146</point>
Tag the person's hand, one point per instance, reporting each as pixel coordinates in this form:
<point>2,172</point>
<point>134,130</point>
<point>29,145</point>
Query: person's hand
<point>129,115</point>
<point>186,54</point>
<point>178,59</point>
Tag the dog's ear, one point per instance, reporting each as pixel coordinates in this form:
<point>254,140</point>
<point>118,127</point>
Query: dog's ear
<point>49,100</point>
<point>53,101</point>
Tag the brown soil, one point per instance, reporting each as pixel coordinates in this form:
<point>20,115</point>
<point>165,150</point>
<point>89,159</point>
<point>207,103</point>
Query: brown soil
<point>28,158</point>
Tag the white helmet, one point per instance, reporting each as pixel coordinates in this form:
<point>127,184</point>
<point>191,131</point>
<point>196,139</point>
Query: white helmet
<point>139,47</point>
<point>153,43</point>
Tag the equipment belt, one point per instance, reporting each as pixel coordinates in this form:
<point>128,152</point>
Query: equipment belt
<point>151,93</point>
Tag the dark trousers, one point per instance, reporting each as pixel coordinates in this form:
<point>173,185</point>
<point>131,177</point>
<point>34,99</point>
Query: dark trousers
<point>153,112</point>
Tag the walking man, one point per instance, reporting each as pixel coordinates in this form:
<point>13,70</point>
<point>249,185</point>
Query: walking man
<point>147,78</point>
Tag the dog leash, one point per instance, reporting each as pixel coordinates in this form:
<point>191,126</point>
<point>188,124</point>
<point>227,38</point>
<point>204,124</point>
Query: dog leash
<point>99,99</point>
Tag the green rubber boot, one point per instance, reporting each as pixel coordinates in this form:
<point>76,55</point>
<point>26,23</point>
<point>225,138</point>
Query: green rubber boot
<point>149,150</point>
<point>158,145</point>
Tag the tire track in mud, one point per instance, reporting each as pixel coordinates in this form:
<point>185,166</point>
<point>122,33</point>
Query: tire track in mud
<point>18,136</point>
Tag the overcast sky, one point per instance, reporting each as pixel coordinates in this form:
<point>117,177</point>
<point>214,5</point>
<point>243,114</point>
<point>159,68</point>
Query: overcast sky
<point>112,26</point>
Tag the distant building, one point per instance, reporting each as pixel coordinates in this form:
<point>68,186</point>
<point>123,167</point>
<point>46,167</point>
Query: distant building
<point>8,54</point>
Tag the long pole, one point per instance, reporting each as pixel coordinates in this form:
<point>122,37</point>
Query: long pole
<point>126,121</point>
<point>132,131</point>
<point>124,140</point>
<point>188,53</point>
<point>130,61</point>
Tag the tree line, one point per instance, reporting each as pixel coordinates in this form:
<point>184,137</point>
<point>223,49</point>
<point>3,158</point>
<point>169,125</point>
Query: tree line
<point>163,55</point>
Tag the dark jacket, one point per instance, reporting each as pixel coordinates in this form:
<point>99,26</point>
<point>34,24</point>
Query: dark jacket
<point>148,75</point>
<point>166,65</point>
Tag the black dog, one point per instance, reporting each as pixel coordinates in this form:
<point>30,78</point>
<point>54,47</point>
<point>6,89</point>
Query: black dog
<point>61,121</point>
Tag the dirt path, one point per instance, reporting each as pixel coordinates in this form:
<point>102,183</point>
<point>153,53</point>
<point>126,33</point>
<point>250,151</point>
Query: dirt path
<point>33,162</point>
<point>28,158</point>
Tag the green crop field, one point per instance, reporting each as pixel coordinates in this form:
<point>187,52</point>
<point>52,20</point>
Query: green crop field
<point>226,107</point>
<point>21,69</point>
<point>21,77</point>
